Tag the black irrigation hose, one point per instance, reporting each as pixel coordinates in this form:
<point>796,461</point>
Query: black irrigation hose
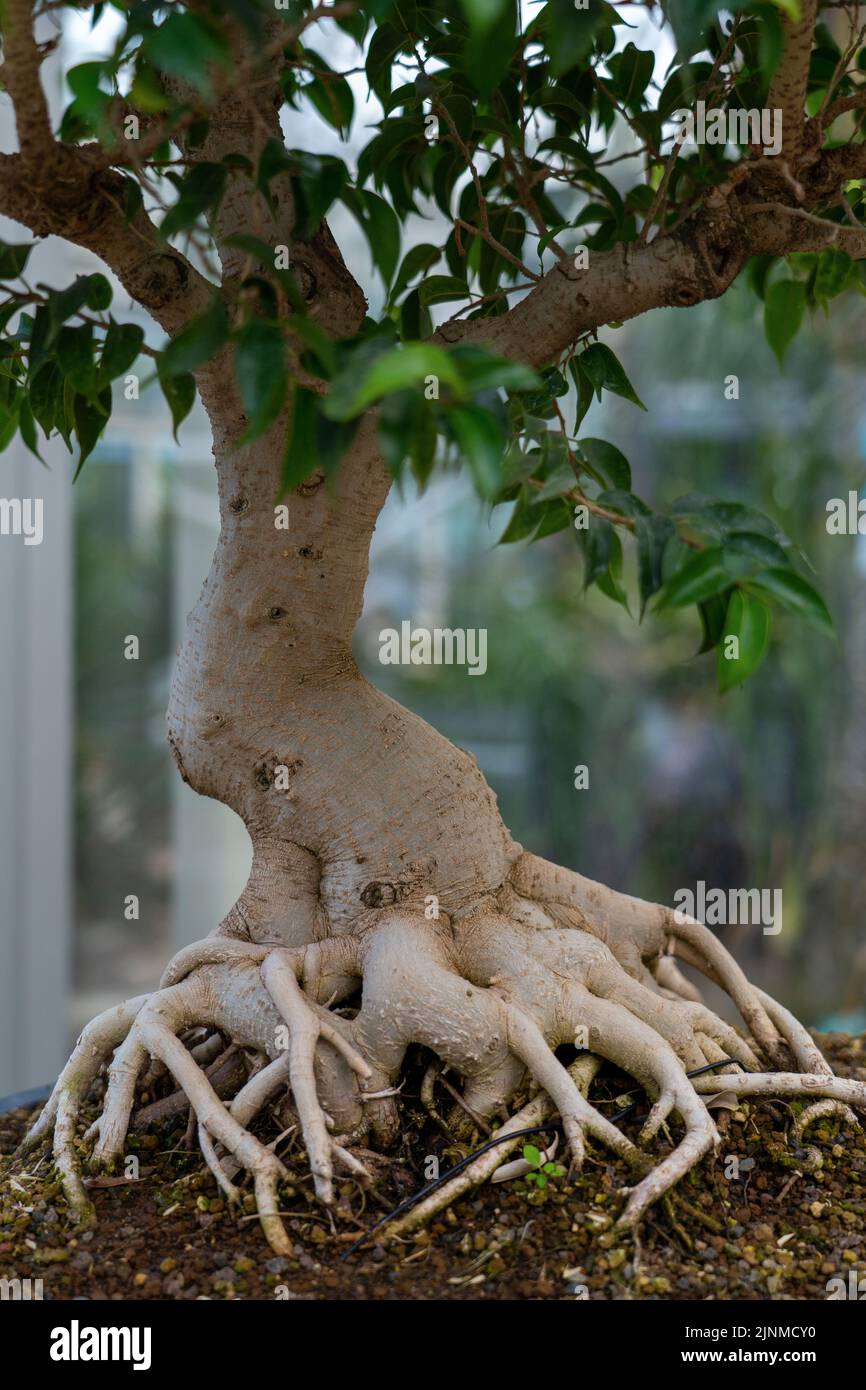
<point>550,1127</point>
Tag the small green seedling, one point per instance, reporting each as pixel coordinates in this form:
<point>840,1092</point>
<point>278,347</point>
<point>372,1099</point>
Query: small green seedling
<point>542,1171</point>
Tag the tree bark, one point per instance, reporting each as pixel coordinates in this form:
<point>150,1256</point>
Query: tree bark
<point>352,802</point>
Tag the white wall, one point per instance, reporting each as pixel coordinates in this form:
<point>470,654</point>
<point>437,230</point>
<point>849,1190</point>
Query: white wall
<point>35,775</point>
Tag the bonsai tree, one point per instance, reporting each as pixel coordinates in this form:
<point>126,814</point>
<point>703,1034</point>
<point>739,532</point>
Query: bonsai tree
<point>382,871</point>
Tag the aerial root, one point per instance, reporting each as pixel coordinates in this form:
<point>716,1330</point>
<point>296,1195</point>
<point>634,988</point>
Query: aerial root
<point>139,1031</point>
<point>94,1047</point>
<point>224,1182</point>
<point>306,1028</point>
<point>156,1026</point>
<point>673,981</point>
<point>639,931</point>
<point>578,1116</point>
<point>483,1008</point>
<point>60,1112</point>
<point>781,1085</point>
<point>174,1033</point>
<point>212,950</point>
<point>811,1061</point>
<point>698,945</point>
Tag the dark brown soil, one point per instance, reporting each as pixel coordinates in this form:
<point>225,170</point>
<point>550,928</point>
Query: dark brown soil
<point>780,1230</point>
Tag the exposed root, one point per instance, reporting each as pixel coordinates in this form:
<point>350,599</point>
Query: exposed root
<point>582,1072</point>
<point>224,1182</point>
<point>782,1085</point>
<point>306,1028</point>
<point>578,1117</point>
<point>551,959</point>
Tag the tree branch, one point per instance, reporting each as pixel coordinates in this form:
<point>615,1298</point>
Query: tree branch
<point>21,64</point>
<point>788,87</point>
<point>695,263</point>
<point>71,200</point>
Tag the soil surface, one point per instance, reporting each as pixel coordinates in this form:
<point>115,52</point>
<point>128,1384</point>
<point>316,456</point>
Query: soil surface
<point>760,1219</point>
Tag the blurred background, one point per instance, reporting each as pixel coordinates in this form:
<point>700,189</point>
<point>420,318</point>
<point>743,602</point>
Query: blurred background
<point>762,788</point>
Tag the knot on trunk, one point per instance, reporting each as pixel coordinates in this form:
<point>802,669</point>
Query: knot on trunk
<point>379,895</point>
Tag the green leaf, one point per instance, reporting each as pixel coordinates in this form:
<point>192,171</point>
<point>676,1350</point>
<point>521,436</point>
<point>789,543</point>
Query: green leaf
<point>186,47</point>
<point>632,70</point>
<point>74,352</point>
<point>569,33</point>
<point>486,57</point>
<point>605,371</point>
<point>85,83</point>
<point>609,585</point>
<point>260,369</point>
<point>383,46</point>
<point>607,464</point>
<point>332,97</point>
<point>585,391</point>
<point>834,273</point>
<point>712,613</point>
<point>122,345</point>
<point>437,289</point>
<point>761,549</point>
<point>46,397</point>
<point>179,392</point>
<point>392,371</point>
<point>481,441</point>
<point>317,343</point>
<point>299,460</point>
<point>380,225</point>
<point>784,306</point>
<point>333,438</point>
<point>13,258</point>
<point>532,1155</point>
<point>99,292</point>
<point>197,342</point>
<point>561,480</point>
<point>27,428</point>
<point>555,515</point>
<point>700,577</point>
<point>597,541</point>
<point>90,421</point>
<point>722,519</point>
<point>318,180</point>
<point>415,262</point>
<point>200,192</point>
<point>422,454</point>
<point>483,14</point>
<point>522,522</point>
<point>483,370</point>
<point>653,533</point>
<point>795,593</point>
<point>689,20</point>
<point>743,640</point>
<point>618,500</point>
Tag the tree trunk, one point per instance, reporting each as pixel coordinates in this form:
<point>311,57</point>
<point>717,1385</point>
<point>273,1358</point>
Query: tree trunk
<point>352,802</point>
